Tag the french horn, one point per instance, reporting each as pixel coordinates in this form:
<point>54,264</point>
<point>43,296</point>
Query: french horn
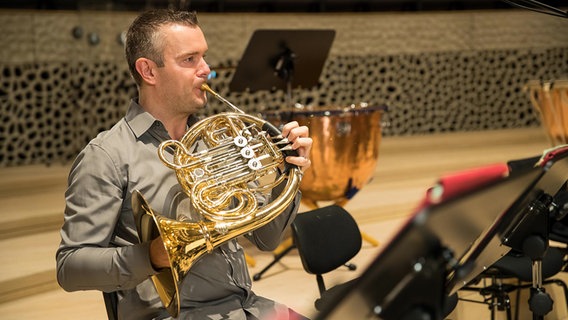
<point>243,159</point>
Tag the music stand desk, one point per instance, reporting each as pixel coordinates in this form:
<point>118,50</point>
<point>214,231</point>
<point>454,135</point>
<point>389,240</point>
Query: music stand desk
<point>440,248</point>
<point>282,59</point>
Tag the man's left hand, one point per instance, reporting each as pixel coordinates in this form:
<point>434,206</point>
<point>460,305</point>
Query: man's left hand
<point>301,142</point>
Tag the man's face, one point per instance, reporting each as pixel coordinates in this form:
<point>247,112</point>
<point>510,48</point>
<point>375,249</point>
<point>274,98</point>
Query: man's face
<point>185,70</point>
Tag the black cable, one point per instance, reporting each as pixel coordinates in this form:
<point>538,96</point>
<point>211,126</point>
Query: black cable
<point>538,7</point>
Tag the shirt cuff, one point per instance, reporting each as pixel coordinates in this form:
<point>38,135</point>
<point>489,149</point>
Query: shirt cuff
<point>140,258</point>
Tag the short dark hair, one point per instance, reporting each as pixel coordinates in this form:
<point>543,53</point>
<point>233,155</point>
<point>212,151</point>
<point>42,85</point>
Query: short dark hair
<point>142,39</point>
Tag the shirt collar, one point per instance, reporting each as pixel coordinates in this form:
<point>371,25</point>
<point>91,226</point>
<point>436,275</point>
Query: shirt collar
<point>138,120</point>
<point>141,121</point>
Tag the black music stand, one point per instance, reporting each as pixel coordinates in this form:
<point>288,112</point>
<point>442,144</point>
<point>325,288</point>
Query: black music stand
<point>529,215</point>
<point>426,262</point>
<point>282,59</point>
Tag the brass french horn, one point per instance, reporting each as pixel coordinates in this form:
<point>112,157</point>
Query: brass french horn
<point>244,158</point>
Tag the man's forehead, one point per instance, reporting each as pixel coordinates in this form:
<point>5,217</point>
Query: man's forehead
<point>180,30</point>
<point>184,37</point>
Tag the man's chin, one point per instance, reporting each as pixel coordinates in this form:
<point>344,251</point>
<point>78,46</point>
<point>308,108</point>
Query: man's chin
<point>200,101</point>
<point>204,103</point>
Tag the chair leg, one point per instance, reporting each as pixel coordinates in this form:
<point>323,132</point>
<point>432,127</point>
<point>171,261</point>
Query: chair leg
<point>518,299</point>
<point>538,297</point>
<point>321,288</point>
<point>499,299</point>
<point>503,302</point>
<point>500,302</point>
<point>111,304</point>
<point>507,302</point>
<point>277,258</point>
<point>496,297</point>
<point>321,284</point>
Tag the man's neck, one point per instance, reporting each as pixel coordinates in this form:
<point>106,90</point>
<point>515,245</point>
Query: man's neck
<point>175,124</point>
<point>176,130</point>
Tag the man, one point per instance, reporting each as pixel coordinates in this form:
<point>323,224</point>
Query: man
<point>99,247</point>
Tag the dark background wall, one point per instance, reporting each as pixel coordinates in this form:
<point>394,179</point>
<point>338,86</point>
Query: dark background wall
<point>262,5</point>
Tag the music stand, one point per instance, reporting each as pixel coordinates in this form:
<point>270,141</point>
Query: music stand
<point>423,264</point>
<point>528,215</point>
<point>282,59</point>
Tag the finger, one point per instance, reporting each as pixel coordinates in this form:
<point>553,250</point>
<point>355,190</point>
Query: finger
<point>288,127</point>
<point>302,162</point>
<point>303,146</point>
<point>298,132</point>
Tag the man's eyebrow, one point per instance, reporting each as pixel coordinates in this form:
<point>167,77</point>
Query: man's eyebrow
<point>187,54</point>
<point>191,53</point>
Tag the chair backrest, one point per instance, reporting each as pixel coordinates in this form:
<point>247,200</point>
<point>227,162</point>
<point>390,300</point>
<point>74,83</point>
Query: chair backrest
<point>326,238</point>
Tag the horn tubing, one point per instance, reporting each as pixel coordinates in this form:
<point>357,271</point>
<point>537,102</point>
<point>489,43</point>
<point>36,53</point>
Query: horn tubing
<point>267,126</point>
<point>205,87</point>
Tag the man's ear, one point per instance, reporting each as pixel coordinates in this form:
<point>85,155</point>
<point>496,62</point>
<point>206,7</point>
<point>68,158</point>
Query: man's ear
<point>145,68</point>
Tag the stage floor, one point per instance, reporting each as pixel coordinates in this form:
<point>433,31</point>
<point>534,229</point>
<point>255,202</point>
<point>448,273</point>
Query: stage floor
<point>407,167</point>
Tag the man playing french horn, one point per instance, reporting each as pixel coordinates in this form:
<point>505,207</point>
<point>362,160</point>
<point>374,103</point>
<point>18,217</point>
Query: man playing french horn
<point>100,247</point>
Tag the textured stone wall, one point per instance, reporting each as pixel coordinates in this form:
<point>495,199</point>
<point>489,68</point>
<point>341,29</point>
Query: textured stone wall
<point>436,72</point>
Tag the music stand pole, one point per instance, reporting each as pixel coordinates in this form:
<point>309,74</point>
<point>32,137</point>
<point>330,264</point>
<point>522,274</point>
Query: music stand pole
<point>282,60</point>
<point>284,69</point>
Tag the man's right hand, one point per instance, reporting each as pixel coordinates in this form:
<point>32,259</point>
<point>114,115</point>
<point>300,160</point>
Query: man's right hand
<point>158,255</point>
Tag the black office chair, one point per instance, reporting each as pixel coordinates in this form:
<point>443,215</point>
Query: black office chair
<point>326,239</point>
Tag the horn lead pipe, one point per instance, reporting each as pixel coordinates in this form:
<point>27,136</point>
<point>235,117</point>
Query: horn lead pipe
<point>205,87</point>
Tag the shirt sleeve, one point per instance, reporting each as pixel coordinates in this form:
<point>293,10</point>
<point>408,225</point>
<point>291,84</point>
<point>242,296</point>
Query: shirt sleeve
<point>269,236</point>
<point>86,257</point>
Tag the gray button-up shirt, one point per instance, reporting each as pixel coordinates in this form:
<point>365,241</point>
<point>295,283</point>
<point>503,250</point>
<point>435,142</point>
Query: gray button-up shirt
<point>99,244</point>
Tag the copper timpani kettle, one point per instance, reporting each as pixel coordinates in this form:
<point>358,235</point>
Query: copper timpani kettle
<point>345,149</point>
<point>550,100</point>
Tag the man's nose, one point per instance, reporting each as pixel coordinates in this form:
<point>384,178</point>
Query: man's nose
<point>204,70</point>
